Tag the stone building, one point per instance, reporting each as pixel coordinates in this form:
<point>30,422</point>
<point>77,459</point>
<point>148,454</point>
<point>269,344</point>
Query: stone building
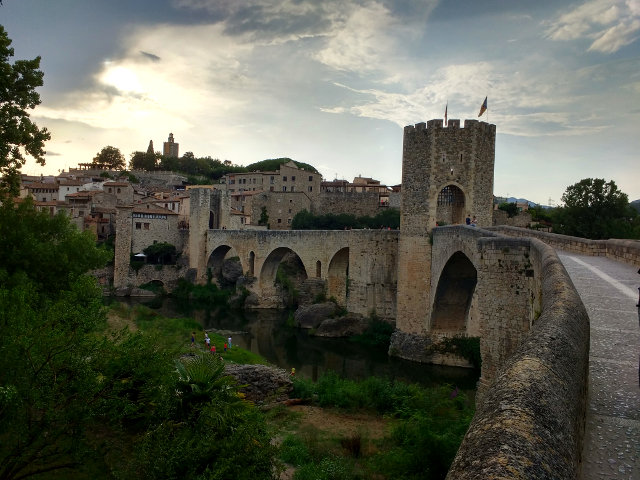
<point>280,207</point>
<point>67,187</point>
<point>289,178</point>
<point>169,148</point>
<point>121,193</point>
<point>43,192</point>
<point>151,224</point>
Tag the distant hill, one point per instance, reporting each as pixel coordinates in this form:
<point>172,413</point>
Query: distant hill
<point>636,204</point>
<point>518,200</point>
<point>273,164</point>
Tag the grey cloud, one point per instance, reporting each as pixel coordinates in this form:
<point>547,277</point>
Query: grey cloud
<point>150,56</point>
<point>269,19</point>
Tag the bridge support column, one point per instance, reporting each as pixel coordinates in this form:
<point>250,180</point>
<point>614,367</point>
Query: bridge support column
<point>414,283</point>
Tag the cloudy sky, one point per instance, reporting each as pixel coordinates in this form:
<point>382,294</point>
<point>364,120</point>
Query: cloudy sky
<point>333,82</point>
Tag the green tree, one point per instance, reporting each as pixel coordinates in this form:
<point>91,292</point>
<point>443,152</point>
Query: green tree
<point>75,402</point>
<point>160,253</point>
<point>48,385</point>
<point>144,161</point>
<point>594,208</point>
<point>110,157</point>
<point>19,136</point>
<point>264,217</point>
<point>510,207</point>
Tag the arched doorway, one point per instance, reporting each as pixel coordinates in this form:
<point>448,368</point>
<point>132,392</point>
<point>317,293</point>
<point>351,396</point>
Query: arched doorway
<point>453,295</point>
<point>450,206</point>
<point>338,284</point>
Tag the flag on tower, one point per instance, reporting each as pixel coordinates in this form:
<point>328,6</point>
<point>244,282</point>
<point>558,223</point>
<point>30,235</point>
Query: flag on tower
<point>483,108</point>
<point>445,113</point>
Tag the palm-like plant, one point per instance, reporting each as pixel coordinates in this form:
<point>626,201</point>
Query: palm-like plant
<point>202,383</point>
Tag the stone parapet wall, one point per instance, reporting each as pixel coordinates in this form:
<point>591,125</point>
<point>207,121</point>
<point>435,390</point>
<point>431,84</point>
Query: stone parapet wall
<point>530,423</point>
<point>168,275</point>
<point>627,251</point>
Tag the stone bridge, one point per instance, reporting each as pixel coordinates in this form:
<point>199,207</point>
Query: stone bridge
<point>356,266</point>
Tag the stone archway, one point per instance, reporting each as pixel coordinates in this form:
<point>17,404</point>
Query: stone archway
<point>454,293</point>
<point>294,272</point>
<point>450,206</point>
<point>217,259</point>
<point>338,285</point>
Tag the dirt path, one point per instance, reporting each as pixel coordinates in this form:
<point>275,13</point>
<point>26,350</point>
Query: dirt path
<point>342,424</point>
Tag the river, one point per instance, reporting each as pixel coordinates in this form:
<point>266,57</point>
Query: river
<point>265,333</point>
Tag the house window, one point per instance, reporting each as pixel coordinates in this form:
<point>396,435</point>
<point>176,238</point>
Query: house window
<point>293,178</point>
<point>146,226</point>
<point>289,210</point>
<point>109,189</point>
<point>284,189</point>
<point>311,178</point>
<point>118,190</point>
<point>271,189</point>
<point>279,220</point>
<point>284,179</point>
<point>289,221</point>
<point>293,188</point>
<point>310,189</point>
<point>138,226</point>
<point>271,180</point>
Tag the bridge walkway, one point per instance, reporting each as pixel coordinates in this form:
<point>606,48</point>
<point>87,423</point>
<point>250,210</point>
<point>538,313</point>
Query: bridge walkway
<point>609,291</point>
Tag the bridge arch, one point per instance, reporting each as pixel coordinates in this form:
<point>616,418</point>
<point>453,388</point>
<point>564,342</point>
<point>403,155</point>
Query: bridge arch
<point>454,293</point>
<point>450,204</point>
<point>217,257</point>
<point>337,284</point>
<point>271,264</point>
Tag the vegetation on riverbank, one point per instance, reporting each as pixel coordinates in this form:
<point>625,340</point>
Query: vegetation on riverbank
<point>426,426</point>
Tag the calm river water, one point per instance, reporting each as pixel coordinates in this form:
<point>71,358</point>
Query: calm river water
<point>265,332</point>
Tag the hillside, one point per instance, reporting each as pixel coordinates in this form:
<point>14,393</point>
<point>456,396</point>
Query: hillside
<point>636,204</point>
<point>273,164</point>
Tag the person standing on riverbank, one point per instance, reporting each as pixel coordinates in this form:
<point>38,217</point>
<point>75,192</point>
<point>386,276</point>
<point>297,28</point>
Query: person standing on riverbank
<point>207,340</point>
<point>225,347</point>
<point>193,339</point>
<point>229,342</point>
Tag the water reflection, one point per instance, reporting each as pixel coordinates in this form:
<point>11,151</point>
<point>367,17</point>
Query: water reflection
<point>265,333</point>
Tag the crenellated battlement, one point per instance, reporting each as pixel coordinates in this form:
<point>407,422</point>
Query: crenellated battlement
<point>453,124</point>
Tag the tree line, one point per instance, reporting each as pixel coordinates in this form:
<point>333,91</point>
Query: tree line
<point>592,208</point>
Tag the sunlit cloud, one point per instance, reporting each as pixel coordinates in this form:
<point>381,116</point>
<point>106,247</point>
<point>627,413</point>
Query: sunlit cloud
<point>609,25</point>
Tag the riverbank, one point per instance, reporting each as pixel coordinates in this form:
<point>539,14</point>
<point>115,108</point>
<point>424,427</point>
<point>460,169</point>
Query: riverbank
<point>344,428</point>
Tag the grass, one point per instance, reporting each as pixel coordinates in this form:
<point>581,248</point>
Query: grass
<point>175,333</point>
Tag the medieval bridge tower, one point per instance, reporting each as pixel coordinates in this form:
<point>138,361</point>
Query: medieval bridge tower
<point>447,174</point>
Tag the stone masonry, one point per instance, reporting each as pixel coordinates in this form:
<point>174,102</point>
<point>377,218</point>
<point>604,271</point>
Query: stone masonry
<point>445,171</point>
